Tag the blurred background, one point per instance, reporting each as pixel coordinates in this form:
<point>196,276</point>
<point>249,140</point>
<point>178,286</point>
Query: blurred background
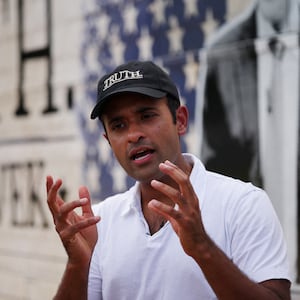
<point>51,55</point>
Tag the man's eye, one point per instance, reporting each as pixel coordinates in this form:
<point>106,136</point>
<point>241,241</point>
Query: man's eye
<point>117,126</point>
<point>148,116</point>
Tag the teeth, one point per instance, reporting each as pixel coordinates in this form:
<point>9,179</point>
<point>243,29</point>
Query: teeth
<point>139,158</point>
<point>141,154</point>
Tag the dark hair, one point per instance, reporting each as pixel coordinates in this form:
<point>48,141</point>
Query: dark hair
<point>173,104</point>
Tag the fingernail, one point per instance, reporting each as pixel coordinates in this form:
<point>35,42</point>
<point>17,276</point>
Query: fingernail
<point>167,162</point>
<point>154,202</point>
<point>83,200</point>
<point>155,182</point>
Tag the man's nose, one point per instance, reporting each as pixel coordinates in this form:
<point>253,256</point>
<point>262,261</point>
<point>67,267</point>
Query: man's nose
<point>135,133</point>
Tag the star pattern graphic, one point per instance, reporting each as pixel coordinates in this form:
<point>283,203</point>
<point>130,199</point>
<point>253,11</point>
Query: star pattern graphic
<point>157,8</point>
<point>191,8</point>
<point>190,70</point>
<point>210,24</point>
<point>130,18</point>
<point>116,46</point>
<point>103,25</point>
<point>175,35</point>
<point>145,43</point>
<point>169,32</point>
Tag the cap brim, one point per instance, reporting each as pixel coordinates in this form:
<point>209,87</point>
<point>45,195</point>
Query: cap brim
<point>139,90</point>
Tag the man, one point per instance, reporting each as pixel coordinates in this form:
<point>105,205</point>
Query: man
<point>180,232</point>
<point>250,102</point>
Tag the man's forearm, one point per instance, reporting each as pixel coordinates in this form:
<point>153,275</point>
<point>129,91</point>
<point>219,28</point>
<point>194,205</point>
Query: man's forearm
<point>229,282</point>
<point>74,283</point>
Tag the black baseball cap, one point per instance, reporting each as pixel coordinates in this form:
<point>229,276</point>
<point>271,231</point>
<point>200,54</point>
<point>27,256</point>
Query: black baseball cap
<point>138,77</point>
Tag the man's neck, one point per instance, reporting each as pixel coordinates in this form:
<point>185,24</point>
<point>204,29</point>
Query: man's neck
<point>154,220</point>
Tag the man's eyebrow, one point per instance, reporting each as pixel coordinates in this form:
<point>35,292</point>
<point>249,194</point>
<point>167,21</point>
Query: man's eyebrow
<point>114,119</point>
<point>138,110</point>
<point>145,108</point>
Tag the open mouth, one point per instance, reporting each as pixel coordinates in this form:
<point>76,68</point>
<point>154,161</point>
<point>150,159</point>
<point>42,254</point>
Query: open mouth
<point>141,154</point>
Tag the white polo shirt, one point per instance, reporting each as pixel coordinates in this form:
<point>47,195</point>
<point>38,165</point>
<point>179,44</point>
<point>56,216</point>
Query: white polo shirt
<point>129,263</point>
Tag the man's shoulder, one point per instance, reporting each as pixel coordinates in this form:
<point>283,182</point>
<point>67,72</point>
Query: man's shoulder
<point>231,188</point>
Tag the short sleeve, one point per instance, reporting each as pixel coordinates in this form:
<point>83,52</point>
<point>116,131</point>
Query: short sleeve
<point>95,277</point>
<point>257,243</point>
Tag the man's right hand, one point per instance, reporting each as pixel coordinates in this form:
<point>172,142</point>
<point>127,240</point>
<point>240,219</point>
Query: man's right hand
<point>78,232</point>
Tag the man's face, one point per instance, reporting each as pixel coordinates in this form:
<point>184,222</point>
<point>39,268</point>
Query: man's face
<point>275,11</point>
<point>142,134</point>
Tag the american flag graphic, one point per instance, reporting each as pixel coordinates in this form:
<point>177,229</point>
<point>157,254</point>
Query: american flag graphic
<point>168,32</point>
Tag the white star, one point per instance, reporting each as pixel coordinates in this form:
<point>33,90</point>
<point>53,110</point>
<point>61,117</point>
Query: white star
<point>119,178</point>
<point>92,58</point>
<point>130,18</point>
<point>157,8</point>
<point>104,150</point>
<point>145,43</point>
<point>190,8</point>
<point>116,46</point>
<point>175,35</point>
<point>103,25</point>
<point>190,70</point>
<point>91,176</point>
<point>89,7</point>
<point>190,137</point>
<point>235,7</point>
<point>209,25</point>
<point>116,2</point>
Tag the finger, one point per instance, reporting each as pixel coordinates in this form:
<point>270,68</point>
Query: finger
<point>87,208</point>
<point>170,192</point>
<point>68,207</point>
<point>173,171</point>
<point>181,178</point>
<point>53,200</point>
<point>83,192</point>
<point>165,210</point>
<point>52,188</point>
<point>49,183</point>
<point>69,231</point>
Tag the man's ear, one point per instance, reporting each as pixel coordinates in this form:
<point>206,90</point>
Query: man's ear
<point>182,118</point>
